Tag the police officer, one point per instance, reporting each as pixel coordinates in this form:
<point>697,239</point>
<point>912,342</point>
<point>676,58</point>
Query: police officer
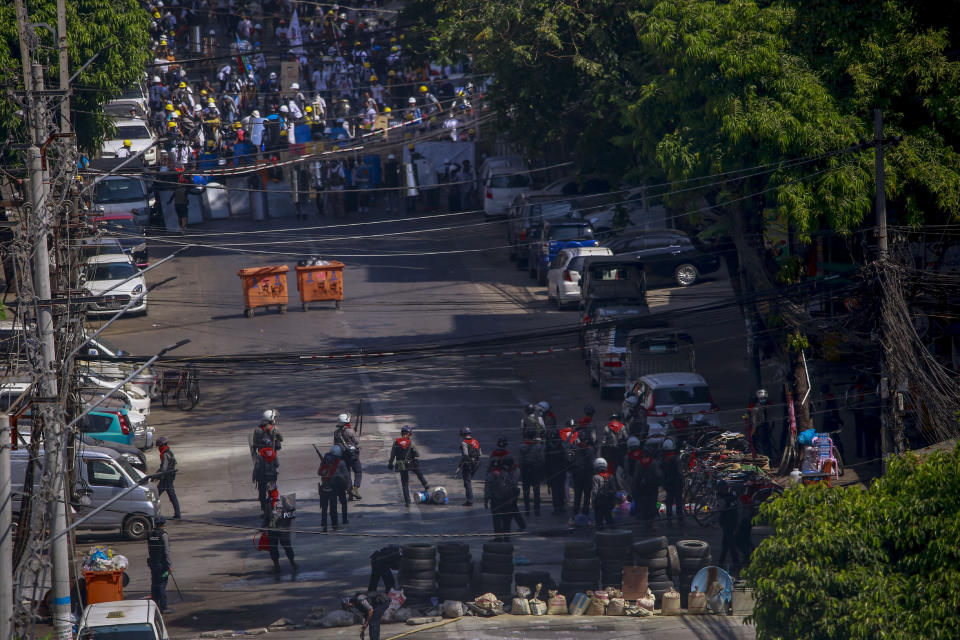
<point>672,479</point>
<point>346,437</point>
<point>603,493</point>
<point>167,473</point>
<point>612,438</point>
<point>278,520</point>
<point>555,468</point>
<point>499,495</point>
<point>469,462</point>
<point>581,472</point>
<point>531,456</point>
<point>407,458</point>
<point>531,420</point>
<point>499,453</point>
<point>371,606</point>
<point>334,480</point>
<point>160,562</point>
<point>266,434</point>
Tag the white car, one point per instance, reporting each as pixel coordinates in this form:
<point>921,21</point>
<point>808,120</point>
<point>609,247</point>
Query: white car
<point>138,619</point>
<point>131,395</point>
<point>118,280</point>
<point>661,393</point>
<point>563,277</point>
<point>124,194</point>
<point>500,187</point>
<point>140,137</point>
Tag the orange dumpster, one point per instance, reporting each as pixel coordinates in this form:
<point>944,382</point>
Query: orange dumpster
<point>264,287</point>
<point>103,586</point>
<point>320,282</point>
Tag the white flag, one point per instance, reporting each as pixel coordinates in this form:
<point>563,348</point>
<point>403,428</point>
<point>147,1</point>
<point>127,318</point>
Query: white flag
<point>294,36</point>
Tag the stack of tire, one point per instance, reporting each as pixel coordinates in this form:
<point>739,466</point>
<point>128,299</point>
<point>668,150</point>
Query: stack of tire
<point>418,572</point>
<point>454,572</point>
<point>653,553</point>
<point>693,555</point>
<point>581,568</point>
<point>614,551</point>
<point>496,571</point>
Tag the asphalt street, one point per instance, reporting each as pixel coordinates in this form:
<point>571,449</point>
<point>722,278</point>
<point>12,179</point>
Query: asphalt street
<point>436,282</point>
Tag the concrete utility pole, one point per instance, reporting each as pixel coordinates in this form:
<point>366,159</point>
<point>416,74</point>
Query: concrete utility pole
<point>47,376</point>
<point>880,177</point>
<point>6,533</point>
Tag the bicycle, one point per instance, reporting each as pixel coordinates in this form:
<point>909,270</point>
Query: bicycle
<point>183,385</point>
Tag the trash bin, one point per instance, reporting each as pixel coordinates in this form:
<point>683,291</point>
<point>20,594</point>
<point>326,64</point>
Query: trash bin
<point>320,282</point>
<point>103,586</point>
<point>264,287</point>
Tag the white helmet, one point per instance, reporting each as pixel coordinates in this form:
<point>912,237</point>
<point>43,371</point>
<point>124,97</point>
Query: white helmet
<point>284,109</point>
<point>668,445</point>
<point>343,418</point>
<point>295,86</point>
<point>438,495</point>
<point>270,415</point>
<point>155,79</point>
<point>600,464</point>
<point>544,406</point>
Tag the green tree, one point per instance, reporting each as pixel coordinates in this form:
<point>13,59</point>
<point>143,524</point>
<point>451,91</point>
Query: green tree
<point>116,29</point>
<point>846,563</point>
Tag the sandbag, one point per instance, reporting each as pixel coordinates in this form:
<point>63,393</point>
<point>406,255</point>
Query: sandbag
<point>488,601</point>
<point>579,604</point>
<point>401,614</point>
<point>647,602</point>
<point>337,619</point>
<point>670,603</point>
<point>596,608</point>
<point>520,607</point>
<point>556,605</point>
<point>616,607</point>
<point>538,607</point>
<point>452,608</point>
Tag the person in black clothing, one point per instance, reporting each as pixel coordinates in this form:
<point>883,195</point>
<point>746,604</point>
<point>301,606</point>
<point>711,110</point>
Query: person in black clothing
<point>407,458</point>
<point>729,519</point>
<point>265,473</point>
<point>391,182</point>
<point>334,480</point>
<point>499,495</point>
<point>160,562</point>
<point>266,434</point>
<point>603,493</point>
<point>672,479</point>
<point>382,564</point>
<point>167,473</point>
<point>581,468</point>
<point>470,454</point>
<point>371,606</point>
<point>278,520</point>
<point>555,470</point>
<point>531,455</point>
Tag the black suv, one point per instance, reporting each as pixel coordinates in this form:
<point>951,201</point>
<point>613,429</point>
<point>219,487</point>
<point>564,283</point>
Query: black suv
<point>667,255</point>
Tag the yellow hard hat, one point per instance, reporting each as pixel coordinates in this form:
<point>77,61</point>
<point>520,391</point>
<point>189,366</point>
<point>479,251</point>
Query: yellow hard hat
<point>127,143</point>
<point>366,65</point>
<point>211,143</point>
<point>373,78</point>
<point>177,113</point>
<point>156,14</point>
<point>423,88</point>
<point>203,92</point>
<point>394,48</point>
<point>392,39</point>
<point>183,85</point>
<point>211,101</point>
<point>387,110</point>
<point>309,109</point>
<point>410,146</point>
<point>391,73</point>
<point>237,125</point>
<point>171,124</point>
<point>283,132</point>
<point>169,107</point>
<point>163,42</point>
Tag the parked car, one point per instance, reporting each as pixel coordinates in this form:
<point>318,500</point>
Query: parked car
<point>600,313</point>
<point>500,187</point>
<point>101,474</point>
<point>552,237</point>
<point>106,361</point>
<point>667,255</point>
<point>114,424</point>
<point>605,277</point>
<point>131,396</point>
<point>661,393</point>
<point>525,215</point>
<point>563,278</point>
<point>140,137</point>
<point>123,620</point>
<point>100,247</point>
<point>606,348</point>
<point>493,163</point>
<point>124,228</point>
<point>117,281</point>
<point>657,350</point>
<point>124,194</point>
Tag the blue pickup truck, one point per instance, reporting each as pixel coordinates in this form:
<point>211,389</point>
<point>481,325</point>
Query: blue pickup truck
<point>551,238</point>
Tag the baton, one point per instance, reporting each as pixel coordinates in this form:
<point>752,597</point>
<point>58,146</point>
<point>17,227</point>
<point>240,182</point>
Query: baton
<point>317,449</point>
<point>179,593</point>
<point>360,417</point>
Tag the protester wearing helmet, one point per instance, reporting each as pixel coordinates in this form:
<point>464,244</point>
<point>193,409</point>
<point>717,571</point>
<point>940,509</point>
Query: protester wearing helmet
<point>266,434</point>
<point>265,471</point>
<point>531,421</point>
<point>346,437</point>
<point>470,454</point>
<point>405,458</point>
<point>126,150</point>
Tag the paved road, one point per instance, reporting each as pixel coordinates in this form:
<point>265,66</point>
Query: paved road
<point>393,301</point>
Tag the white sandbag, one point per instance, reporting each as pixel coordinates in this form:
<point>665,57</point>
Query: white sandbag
<point>452,608</point>
<point>337,619</point>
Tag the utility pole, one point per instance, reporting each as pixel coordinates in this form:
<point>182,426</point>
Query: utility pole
<point>64,66</point>
<point>881,194</point>
<point>6,533</point>
<point>53,487</point>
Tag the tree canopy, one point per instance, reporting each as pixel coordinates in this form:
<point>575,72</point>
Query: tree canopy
<point>848,563</point>
<point>116,29</point>
<point>677,89</point>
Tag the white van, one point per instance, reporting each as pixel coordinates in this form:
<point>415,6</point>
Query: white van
<point>123,620</point>
<point>101,475</point>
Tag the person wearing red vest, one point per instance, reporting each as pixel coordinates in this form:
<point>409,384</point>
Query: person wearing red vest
<point>645,477</point>
<point>603,493</point>
<point>407,458</point>
<point>587,418</point>
<point>469,462</point>
<point>499,453</point>
<point>613,442</point>
<point>568,430</point>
